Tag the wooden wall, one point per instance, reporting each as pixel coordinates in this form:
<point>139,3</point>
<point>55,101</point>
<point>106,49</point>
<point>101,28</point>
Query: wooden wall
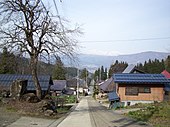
<point>157,93</point>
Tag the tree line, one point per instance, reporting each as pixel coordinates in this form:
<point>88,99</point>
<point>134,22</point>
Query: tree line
<point>151,66</point>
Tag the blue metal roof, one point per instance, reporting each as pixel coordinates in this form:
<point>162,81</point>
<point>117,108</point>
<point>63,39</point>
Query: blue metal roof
<point>7,79</point>
<point>112,96</point>
<point>140,78</point>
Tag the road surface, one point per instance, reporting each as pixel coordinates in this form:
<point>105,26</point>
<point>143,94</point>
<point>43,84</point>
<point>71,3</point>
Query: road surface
<point>102,117</point>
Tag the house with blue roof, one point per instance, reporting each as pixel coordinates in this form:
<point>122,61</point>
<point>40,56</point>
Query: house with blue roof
<point>45,81</point>
<point>140,88</point>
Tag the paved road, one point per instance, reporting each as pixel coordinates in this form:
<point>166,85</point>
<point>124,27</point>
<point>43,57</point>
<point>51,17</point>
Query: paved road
<point>102,117</point>
<point>88,113</point>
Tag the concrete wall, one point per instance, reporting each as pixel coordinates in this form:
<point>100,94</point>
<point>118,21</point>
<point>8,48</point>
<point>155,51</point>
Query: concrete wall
<point>127,103</point>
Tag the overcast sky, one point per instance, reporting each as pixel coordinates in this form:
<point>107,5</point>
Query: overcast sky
<point>114,27</point>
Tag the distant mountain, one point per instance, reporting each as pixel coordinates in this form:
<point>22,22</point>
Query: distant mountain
<point>94,61</point>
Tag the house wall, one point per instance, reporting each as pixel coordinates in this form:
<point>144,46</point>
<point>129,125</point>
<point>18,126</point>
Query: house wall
<point>157,93</point>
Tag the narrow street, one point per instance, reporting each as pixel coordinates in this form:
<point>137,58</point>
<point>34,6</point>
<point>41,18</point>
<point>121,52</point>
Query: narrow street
<point>102,117</point>
<point>88,113</point>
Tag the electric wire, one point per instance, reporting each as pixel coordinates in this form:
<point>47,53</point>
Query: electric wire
<point>127,40</point>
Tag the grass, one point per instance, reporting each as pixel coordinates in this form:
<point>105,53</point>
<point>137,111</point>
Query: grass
<point>157,114</point>
<point>64,109</point>
<point>11,109</point>
<point>67,98</point>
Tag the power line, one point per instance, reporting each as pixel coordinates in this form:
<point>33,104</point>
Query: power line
<point>128,40</point>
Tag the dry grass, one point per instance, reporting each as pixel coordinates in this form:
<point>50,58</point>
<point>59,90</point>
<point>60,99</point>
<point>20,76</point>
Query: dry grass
<point>157,114</point>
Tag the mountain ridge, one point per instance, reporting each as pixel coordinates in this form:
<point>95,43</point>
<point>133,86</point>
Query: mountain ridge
<point>92,61</point>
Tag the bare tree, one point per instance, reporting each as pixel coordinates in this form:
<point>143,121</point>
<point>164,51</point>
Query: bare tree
<point>27,25</point>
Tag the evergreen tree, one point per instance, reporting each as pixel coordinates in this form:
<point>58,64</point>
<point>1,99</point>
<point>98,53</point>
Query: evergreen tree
<point>167,63</point>
<point>152,66</point>
<point>117,67</point>
<point>84,74</point>
<point>105,74</point>
<point>96,75</point>
<point>8,63</point>
<point>59,71</point>
<point>102,73</point>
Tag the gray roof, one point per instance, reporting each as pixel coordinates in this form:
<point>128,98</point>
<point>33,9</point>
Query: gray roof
<point>140,78</point>
<point>104,85</point>
<point>132,69</point>
<point>7,79</point>
<point>59,85</point>
<point>129,68</point>
<point>73,82</point>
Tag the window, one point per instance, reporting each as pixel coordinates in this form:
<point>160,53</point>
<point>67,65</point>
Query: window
<point>128,103</point>
<point>131,91</point>
<point>144,90</point>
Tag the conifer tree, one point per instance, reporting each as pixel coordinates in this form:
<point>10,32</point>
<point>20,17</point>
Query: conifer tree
<point>59,71</point>
<point>167,64</point>
<point>8,64</point>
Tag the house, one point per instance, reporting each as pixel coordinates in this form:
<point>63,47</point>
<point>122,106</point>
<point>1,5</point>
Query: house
<point>132,69</point>
<point>166,74</point>
<point>140,88</point>
<point>60,87</point>
<point>77,83</point>
<point>167,86</point>
<point>107,86</point>
<point>45,82</point>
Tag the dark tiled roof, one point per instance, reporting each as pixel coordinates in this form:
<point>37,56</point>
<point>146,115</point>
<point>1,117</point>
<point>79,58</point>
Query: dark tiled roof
<point>73,83</point>
<point>7,79</point>
<point>59,85</point>
<point>140,78</point>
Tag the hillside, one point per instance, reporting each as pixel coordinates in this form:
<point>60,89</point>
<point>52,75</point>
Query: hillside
<point>94,61</point>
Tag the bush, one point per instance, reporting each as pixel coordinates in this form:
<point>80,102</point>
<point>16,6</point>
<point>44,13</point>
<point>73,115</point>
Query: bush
<point>70,99</point>
<point>67,98</point>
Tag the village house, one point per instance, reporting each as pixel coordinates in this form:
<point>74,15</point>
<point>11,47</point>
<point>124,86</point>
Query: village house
<point>132,69</point>
<point>140,88</point>
<point>73,84</point>
<point>58,87</point>
<point>108,85</point>
<point>167,86</point>
<point>45,81</point>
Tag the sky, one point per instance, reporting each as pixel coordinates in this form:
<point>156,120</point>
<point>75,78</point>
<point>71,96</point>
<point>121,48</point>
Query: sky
<point>117,27</point>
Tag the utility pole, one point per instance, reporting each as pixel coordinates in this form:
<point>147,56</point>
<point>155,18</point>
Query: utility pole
<point>86,77</point>
<point>77,85</point>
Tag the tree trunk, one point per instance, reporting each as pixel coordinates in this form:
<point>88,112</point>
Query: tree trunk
<point>34,61</point>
